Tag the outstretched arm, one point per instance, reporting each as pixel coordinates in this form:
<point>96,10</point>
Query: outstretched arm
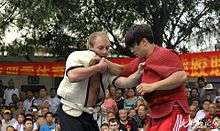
<point>114,68</point>
<point>131,81</point>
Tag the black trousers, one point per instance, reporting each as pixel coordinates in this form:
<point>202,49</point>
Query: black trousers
<point>84,122</point>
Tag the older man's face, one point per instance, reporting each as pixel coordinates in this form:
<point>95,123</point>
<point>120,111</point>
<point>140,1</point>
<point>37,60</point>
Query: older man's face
<point>101,46</point>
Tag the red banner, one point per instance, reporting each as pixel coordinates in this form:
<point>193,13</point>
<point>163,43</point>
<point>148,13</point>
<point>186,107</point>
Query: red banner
<point>51,69</point>
<point>196,64</point>
<point>202,64</point>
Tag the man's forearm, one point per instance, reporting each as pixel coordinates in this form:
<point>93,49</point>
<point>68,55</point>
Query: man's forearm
<point>128,82</point>
<point>173,81</point>
<point>82,73</point>
<point>114,68</point>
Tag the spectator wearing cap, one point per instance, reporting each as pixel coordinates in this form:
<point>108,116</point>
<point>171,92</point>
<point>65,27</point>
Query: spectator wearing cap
<point>209,92</point>
<point>34,112</point>
<point>7,119</point>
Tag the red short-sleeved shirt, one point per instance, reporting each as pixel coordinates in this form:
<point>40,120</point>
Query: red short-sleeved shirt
<point>158,66</point>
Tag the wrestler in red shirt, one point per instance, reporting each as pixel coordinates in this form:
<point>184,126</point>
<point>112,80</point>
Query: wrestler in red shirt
<point>162,83</point>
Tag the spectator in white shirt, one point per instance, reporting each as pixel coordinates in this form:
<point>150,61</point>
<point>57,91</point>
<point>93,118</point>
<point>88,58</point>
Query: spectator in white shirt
<point>19,126</point>
<point>9,92</point>
<point>192,113</point>
<point>29,102</point>
<point>54,100</point>
<point>203,113</point>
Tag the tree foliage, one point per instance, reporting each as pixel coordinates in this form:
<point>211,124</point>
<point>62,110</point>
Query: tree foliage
<point>62,26</point>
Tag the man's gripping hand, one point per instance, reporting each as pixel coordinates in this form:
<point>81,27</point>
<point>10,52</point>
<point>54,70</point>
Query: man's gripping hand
<point>102,65</point>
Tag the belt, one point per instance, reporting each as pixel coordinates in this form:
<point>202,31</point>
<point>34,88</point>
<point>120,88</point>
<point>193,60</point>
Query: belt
<point>75,106</point>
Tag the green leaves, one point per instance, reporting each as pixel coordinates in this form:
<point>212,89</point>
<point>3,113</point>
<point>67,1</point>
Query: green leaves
<point>59,26</point>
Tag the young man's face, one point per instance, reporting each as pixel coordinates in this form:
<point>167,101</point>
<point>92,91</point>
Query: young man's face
<point>140,49</point>
<point>20,119</point>
<point>113,126</point>
<point>28,125</point>
<point>192,111</point>
<point>123,115</point>
<point>101,46</point>
<point>49,118</point>
<point>104,128</point>
<point>43,93</point>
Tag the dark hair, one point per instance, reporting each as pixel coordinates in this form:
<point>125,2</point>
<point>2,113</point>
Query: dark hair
<point>10,126</point>
<point>196,91</point>
<point>33,107</point>
<point>48,113</point>
<point>29,115</point>
<point>18,114</point>
<point>112,120</point>
<point>53,89</point>
<point>28,119</point>
<point>136,33</point>
<point>43,88</point>
<point>206,100</point>
<point>201,79</point>
<point>105,124</point>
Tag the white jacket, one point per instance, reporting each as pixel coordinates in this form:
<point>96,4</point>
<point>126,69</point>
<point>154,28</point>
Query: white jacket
<point>73,95</point>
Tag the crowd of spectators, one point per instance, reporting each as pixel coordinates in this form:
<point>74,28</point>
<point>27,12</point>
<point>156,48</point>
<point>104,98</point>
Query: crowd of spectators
<point>122,109</point>
<point>28,110</point>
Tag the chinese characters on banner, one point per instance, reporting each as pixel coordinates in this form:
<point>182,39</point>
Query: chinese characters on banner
<point>202,64</point>
<point>195,64</point>
<point>50,69</point>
